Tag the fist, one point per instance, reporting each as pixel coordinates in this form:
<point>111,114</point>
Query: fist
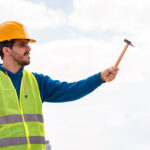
<point>109,74</point>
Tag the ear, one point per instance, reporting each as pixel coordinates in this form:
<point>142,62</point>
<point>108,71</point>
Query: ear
<point>6,51</point>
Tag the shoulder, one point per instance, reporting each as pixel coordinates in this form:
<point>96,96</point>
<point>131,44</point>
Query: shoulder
<point>41,78</point>
<point>44,80</point>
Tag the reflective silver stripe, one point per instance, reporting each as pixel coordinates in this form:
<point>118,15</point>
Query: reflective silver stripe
<point>13,141</point>
<point>10,119</point>
<point>37,139</point>
<point>33,117</point>
<point>18,118</point>
<point>21,141</point>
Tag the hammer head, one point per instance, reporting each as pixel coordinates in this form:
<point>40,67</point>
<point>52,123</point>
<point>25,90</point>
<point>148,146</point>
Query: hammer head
<point>128,42</point>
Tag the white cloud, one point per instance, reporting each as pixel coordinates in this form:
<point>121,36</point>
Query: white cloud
<point>100,119</point>
<point>33,15</point>
<point>111,15</point>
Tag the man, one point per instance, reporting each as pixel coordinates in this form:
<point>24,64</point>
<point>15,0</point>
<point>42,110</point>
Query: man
<point>22,92</point>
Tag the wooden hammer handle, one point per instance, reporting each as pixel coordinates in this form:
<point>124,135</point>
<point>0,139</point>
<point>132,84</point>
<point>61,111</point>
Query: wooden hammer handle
<point>121,55</point>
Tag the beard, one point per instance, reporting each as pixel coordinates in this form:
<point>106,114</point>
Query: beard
<point>21,60</point>
<point>23,63</point>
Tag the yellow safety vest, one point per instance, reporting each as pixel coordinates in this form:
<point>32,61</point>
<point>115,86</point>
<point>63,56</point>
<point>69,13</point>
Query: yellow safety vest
<point>21,121</point>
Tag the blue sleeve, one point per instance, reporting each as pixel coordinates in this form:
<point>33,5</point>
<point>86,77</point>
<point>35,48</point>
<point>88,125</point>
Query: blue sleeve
<point>56,91</point>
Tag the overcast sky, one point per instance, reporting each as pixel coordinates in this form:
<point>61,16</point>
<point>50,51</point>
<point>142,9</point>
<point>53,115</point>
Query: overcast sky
<point>76,39</point>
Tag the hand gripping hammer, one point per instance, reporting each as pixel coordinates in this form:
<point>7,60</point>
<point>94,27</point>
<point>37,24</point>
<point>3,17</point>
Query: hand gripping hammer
<point>123,52</point>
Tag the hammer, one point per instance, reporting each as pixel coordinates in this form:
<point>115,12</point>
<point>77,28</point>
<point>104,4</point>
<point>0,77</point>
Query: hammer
<point>123,52</point>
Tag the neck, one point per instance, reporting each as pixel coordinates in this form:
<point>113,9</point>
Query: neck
<point>14,68</point>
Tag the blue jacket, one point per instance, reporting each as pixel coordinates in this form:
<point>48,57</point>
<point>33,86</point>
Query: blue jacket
<point>56,91</point>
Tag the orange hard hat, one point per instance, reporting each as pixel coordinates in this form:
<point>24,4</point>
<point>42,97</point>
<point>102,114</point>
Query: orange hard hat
<point>13,30</point>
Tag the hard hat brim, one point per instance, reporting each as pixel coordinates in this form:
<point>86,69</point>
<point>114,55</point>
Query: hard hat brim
<point>32,40</point>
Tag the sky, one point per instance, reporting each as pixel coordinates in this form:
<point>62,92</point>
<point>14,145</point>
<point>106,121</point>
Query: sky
<point>77,39</point>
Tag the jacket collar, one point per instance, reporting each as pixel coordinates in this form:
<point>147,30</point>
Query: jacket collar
<point>19,73</point>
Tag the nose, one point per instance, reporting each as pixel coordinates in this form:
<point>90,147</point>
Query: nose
<point>28,47</point>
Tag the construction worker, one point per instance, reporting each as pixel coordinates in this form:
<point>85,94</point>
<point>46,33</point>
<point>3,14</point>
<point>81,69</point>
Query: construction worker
<point>22,92</point>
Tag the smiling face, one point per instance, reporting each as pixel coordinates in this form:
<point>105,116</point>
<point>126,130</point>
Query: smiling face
<point>20,52</point>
